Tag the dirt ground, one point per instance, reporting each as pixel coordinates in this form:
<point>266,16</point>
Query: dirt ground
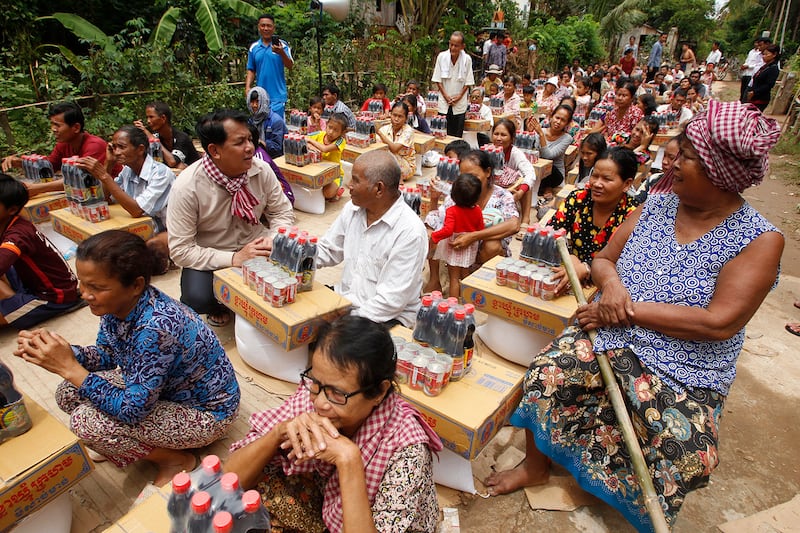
<point>758,436</point>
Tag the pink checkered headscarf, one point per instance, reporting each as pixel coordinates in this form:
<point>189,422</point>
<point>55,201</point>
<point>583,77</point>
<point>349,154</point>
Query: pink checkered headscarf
<point>733,141</point>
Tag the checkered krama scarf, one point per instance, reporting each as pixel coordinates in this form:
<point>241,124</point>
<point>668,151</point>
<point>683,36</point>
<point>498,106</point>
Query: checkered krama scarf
<point>733,141</point>
<point>393,425</point>
<point>243,200</point>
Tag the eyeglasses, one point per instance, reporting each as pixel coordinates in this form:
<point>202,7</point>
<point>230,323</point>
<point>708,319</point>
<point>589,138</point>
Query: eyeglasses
<point>334,395</point>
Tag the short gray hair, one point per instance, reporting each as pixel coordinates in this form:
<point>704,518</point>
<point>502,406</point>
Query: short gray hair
<point>381,166</point>
<point>459,35</point>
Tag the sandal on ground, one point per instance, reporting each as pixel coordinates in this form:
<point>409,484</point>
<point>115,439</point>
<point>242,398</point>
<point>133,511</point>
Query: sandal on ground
<point>797,304</point>
<point>523,229</point>
<point>793,328</point>
<point>220,320</point>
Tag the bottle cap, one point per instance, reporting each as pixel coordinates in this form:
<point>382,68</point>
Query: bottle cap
<point>181,483</point>
<point>460,314</point>
<point>427,301</point>
<point>251,500</point>
<point>469,308</point>
<point>453,301</point>
<point>443,307</point>
<point>436,295</point>
<point>211,464</point>
<point>223,522</point>
<point>201,502</point>
<point>229,482</point>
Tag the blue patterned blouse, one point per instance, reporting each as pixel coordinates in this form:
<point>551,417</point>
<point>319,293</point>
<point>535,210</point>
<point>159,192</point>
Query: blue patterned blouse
<point>655,268</point>
<point>166,353</point>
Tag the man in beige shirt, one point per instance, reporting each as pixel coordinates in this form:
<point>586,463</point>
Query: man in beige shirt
<point>223,210</point>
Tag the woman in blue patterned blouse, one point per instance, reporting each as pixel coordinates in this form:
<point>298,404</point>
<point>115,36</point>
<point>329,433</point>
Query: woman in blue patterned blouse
<point>679,280</point>
<point>156,383</point>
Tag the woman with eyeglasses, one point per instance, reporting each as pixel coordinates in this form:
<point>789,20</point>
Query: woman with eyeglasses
<point>345,452</point>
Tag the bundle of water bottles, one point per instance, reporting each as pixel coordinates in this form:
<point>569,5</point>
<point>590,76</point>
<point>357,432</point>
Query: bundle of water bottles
<point>208,501</point>
<point>473,112</point>
<point>298,122</point>
<point>447,170</point>
<point>290,269</point>
<point>364,133</point>
<point>598,114</point>
<point>438,125</point>
<point>374,109</point>
<point>496,104</point>
<point>14,417</point>
<point>84,192</point>
<point>37,168</point>
<point>667,120</point>
<point>497,158</point>
<point>528,142</point>
<point>532,272</point>
<point>443,345</point>
<point>296,152</point>
<point>432,100</point>
<point>412,197</point>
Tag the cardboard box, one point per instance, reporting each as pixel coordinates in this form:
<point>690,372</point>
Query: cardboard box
<point>38,466</point>
<point>477,125</point>
<point>313,176</point>
<point>151,515</point>
<point>549,317</point>
<point>441,142</point>
<point>469,412</point>
<point>78,229</point>
<point>289,326</point>
<point>351,153</point>
<point>423,143</point>
<point>37,210</point>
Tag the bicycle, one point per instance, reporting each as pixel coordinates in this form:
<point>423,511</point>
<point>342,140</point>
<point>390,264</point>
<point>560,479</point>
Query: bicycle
<point>729,66</point>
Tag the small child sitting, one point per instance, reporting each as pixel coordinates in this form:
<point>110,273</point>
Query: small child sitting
<point>315,121</point>
<point>529,97</point>
<point>378,95</point>
<point>463,217</point>
<point>331,143</point>
<point>484,113</point>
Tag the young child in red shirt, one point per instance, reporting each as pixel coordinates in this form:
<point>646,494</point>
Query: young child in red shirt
<point>463,217</point>
<point>378,95</point>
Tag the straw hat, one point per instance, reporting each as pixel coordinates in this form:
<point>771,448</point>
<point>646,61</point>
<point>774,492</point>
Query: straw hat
<point>494,69</point>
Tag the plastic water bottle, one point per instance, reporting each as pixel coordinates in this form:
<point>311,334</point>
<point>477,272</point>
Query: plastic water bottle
<point>208,475</point>
<point>180,501</point>
<point>421,333</point>
<point>295,262</point>
<point>155,150</point>
<point>539,245</point>
<point>309,264</point>
<point>556,257</point>
<point>278,244</point>
<point>230,494</point>
<point>222,522</point>
<point>255,517</point>
<point>439,331</point>
<point>527,243</point>
<point>201,517</point>
<point>454,345</point>
<point>469,341</point>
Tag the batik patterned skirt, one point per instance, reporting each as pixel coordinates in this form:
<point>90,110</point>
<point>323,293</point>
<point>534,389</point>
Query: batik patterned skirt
<point>566,407</point>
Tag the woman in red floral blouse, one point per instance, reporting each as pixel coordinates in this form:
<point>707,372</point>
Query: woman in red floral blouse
<point>625,115</point>
<point>591,215</point>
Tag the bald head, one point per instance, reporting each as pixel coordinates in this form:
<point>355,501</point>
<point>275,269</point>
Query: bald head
<point>380,166</point>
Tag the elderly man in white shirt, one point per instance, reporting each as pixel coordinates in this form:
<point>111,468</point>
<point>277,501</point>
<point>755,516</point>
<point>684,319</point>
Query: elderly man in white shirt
<point>453,76</point>
<point>382,243</point>
<point>751,65</point>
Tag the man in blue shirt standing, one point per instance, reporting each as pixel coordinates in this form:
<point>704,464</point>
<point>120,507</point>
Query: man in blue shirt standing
<point>654,61</point>
<point>266,62</point>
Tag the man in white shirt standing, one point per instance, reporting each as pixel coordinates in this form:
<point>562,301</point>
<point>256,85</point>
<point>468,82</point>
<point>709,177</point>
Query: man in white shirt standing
<point>753,62</point>
<point>715,55</point>
<point>453,76</point>
<point>382,243</point>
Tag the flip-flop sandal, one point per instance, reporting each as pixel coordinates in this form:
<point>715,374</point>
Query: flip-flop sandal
<point>523,229</point>
<point>797,304</point>
<point>793,328</point>
<point>218,321</point>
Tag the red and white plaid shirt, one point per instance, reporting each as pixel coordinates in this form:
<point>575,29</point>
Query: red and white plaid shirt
<point>391,426</point>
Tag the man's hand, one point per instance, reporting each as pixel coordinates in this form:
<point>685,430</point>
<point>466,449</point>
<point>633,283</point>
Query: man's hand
<point>259,247</point>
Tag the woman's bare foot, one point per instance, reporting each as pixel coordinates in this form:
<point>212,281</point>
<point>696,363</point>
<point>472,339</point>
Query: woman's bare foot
<point>523,475</point>
<point>172,463</point>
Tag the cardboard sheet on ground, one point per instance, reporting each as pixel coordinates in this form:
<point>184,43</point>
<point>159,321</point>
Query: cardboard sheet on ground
<point>784,518</point>
<point>562,493</point>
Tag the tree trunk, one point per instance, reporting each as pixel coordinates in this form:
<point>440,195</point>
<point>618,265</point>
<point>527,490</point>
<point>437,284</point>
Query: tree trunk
<point>6,127</point>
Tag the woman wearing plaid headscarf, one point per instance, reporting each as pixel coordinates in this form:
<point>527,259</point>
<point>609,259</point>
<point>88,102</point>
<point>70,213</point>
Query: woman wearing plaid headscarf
<point>345,452</point>
<point>678,282</point>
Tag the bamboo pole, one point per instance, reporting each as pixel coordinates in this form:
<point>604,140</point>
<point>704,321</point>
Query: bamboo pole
<point>651,501</point>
